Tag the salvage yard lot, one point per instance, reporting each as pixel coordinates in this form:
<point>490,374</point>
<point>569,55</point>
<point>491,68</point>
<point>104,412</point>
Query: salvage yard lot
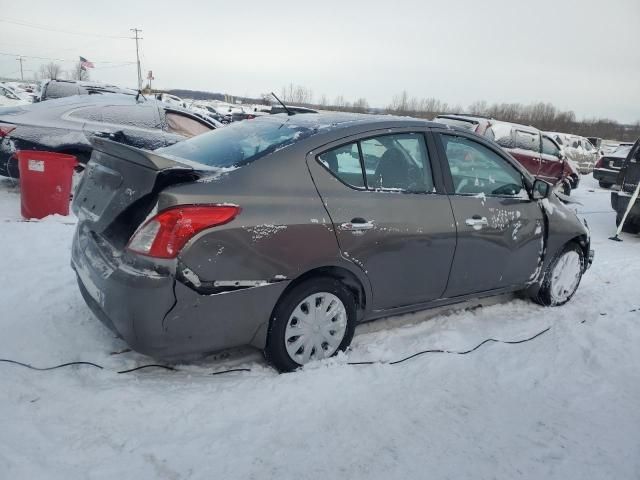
<point>564,405</point>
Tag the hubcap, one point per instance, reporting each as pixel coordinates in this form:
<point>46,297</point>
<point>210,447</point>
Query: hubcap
<point>315,328</point>
<point>565,276</point>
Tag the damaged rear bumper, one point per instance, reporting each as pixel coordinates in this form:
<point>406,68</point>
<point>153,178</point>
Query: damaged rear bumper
<point>160,316</point>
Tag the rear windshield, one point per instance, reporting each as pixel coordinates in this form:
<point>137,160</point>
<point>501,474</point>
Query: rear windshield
<point>239,143</point>
<point>457,122</point>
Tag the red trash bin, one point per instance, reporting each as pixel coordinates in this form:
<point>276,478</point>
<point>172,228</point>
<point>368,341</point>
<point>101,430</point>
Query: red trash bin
<point>45,182</point>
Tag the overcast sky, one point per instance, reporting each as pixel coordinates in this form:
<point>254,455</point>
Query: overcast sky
<point>578,55</point>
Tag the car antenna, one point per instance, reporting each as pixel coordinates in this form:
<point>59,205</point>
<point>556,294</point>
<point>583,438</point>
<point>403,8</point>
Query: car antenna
<point>289,112</point>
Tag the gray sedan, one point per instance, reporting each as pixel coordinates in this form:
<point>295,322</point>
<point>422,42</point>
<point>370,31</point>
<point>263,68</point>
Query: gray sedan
<point>284,232</point>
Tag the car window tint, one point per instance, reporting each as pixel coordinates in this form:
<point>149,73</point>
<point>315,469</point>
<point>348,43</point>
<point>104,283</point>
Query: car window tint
<point>185,126</point>
<point>550,148</point>
<point>527,141</point>
<point>344,163</point>
<point>397,162</point>
<point>476,169</point>
<point>61,89</point>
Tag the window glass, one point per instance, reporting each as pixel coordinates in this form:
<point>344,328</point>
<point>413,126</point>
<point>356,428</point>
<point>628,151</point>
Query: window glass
<point>139,115</point>
<point>558,139</point>
<point>550,148</point>
<point>477,170</point>
<point>344,163</point>
<point>527,141</point>
<point>239,143</point>
<point>587,145</point>
<point>397,162</point>
<point>501,134</point>
<point>8,93</point>
<point>185,126</point>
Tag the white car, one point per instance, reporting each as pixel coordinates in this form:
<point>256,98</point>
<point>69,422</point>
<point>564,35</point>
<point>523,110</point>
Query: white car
<point>10,98</point>
<point>577,149</point>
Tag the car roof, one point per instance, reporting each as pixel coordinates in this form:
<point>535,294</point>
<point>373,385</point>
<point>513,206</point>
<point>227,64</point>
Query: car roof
<point>337,120</point>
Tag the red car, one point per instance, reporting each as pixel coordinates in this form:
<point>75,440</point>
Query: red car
<point>535,151</point>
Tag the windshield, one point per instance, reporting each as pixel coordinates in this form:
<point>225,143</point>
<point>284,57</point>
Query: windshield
<point>240,143</point>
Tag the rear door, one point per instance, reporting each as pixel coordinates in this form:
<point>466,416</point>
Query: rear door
<point>499,227</point>
<point>391,216</point>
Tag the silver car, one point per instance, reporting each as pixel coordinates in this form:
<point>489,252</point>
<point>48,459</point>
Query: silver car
<point>284,232</point>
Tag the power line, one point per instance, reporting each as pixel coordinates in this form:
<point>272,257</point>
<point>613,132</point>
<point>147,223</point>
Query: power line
<point>136,31</point>
<point>22,23</point>
<point>122,62</point>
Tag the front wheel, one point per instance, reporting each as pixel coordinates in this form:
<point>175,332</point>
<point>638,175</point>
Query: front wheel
<point>562,277</point>
<point>312,321</point>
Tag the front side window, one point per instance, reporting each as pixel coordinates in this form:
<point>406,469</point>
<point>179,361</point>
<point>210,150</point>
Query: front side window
<point>527,141</point>
<point>397,162</point>
<point>478,170</point>
<point>550,148</point>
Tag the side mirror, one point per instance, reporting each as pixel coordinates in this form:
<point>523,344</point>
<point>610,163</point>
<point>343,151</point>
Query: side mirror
<point>541,189</point>
<point>561,156</point>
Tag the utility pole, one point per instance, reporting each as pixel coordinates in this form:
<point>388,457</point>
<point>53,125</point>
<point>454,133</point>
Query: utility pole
<point>21,59</point>
<point>136,38</point>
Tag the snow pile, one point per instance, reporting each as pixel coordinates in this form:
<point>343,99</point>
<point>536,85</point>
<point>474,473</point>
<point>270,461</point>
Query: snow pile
<point>564,405</point>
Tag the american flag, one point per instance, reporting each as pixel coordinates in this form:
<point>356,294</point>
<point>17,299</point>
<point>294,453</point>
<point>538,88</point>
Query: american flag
<point>84,63</point>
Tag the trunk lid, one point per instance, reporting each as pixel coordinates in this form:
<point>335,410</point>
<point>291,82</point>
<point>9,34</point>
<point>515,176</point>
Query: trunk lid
<point>120,188</point>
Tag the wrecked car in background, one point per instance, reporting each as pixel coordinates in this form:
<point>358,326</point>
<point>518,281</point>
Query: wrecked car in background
<point>60,125</point>
<point>608,166</point>
<point>535,152</point>
<point>286,231</point>
<point>625,187</point>
<point>579,150</point>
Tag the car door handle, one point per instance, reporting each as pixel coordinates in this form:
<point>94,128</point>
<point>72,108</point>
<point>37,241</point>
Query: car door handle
<point>477,221</point>
<point>357,224</point>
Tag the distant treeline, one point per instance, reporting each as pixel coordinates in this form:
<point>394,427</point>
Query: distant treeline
<point>544,116</point>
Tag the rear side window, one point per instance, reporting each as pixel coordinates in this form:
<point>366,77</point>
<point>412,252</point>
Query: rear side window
<point>502,134</point>
<point>527,141</point>
<point>185,126</point>
<point>239,143</point>
<point>344,163</point>
<point>397,162</point>
<point>60,89</point>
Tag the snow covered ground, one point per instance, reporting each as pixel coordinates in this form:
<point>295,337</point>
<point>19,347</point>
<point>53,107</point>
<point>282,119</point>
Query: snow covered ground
<point>563,406</point>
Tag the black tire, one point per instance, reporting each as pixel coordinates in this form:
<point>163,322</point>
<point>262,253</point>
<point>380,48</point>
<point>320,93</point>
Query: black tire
<point>604,184</point>
<point>629,226</point>
<point>544,296</point>
<point>275,351</point>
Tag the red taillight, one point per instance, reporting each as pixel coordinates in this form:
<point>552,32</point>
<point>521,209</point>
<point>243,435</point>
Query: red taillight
<point>165,234</point>
<point>6,129</point>
<point>599,163</point>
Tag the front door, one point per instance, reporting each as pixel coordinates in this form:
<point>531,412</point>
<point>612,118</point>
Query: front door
<point>552,166</point>
<point>390,219</point>
<point>500,229</point>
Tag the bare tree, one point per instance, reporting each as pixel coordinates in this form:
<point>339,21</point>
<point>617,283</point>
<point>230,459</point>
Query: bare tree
<point>79,73</point>
<point>50,70</point>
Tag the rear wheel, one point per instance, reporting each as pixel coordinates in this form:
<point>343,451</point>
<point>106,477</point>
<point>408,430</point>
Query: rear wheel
<point>562,277</point>
<point>604,184</point>
<point>314,320</point>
